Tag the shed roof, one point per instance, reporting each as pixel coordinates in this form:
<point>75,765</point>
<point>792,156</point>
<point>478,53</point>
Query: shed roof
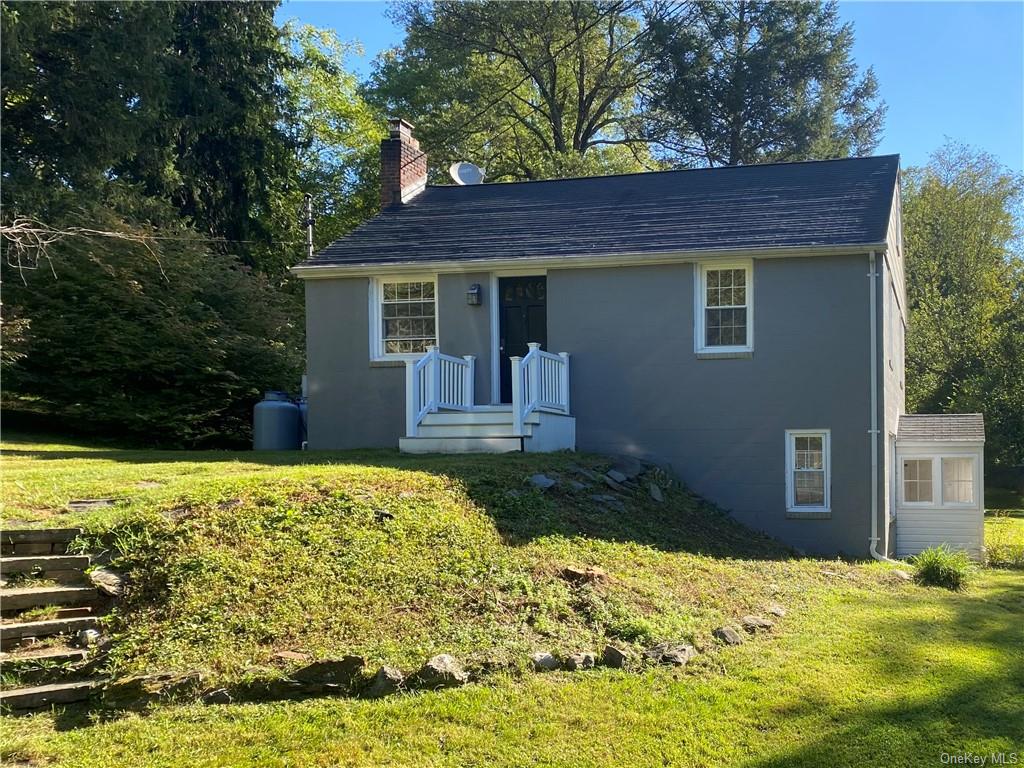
<point>817,203</point>
<point>943,427</point>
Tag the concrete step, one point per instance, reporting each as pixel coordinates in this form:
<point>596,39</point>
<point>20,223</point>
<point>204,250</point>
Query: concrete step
<point>471,430</point>
<point>444,418</point>
<point>20,599</point>
<point>37,541</point>
<point>460,444</point>
<point>14,633</point>
<point>47,695</point>
<point>43,563</point>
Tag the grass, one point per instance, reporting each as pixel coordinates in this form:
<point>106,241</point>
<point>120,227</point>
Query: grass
<point>236,556</point>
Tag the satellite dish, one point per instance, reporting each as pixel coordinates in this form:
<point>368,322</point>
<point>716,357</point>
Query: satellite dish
<point>466,173</point>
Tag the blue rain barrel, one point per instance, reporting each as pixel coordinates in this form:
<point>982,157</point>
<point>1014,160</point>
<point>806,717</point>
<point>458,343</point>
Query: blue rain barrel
<point>276,423</point>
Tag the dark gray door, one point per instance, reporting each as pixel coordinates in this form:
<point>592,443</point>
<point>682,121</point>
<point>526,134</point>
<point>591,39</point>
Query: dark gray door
<point>523,317</point>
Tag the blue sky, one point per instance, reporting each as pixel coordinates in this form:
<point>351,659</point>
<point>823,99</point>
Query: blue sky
<point>946,69</point>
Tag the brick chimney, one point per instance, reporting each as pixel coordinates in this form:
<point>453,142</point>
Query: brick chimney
<point>403,167</point>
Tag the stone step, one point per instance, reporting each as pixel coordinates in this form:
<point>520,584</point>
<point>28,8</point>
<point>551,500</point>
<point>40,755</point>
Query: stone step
<point>37,541</point>
<point>46,665</point>
<point>47,695</point>
<point>20,599</point>
<point>12,634</point>
<point>43,563</point>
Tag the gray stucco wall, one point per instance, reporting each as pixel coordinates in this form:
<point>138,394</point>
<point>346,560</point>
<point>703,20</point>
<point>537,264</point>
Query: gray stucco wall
<point>637,386</point>
<point>356,403</point>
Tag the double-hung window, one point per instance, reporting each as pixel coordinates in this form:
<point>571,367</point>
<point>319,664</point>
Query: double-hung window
<point>938,481</point>
<point>724,308</point>
<point>808,471</point>
<point>403,317</point>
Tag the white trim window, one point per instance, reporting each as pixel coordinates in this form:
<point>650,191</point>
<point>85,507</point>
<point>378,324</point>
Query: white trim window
<point>724,303</point>
<point>403,317</point>
<point>958,481</point>
<point>918,480</point>
<point>808,470</point>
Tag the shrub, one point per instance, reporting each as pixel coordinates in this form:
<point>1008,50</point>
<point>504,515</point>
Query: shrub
<point>943,567</point>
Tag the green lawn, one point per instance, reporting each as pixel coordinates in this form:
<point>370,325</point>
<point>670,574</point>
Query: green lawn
<point>236,556</point>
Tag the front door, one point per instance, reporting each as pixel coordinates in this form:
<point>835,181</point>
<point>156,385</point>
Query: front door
<point>522,318</point>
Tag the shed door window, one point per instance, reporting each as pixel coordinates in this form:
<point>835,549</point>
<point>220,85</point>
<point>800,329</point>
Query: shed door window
<point>917,480</point>
<point>957,481</point>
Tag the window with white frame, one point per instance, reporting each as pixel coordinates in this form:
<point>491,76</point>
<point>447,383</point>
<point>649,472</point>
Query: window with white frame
<point>808,471</point>
<point>917,481</point>
<point>404,321</point>
<point>724,321</point>
<point>957,480</point>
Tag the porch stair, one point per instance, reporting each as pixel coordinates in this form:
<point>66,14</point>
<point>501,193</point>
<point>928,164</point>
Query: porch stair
<point>490,429</point>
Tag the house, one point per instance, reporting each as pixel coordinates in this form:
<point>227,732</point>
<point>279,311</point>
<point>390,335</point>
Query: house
<point>743,325</point>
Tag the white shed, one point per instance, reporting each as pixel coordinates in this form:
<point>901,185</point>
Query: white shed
<point>940,483</point>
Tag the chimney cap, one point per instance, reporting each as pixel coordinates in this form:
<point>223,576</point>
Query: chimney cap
<point>398,126</point>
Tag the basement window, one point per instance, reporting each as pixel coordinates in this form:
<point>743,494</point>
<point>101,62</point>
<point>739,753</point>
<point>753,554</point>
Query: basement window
<point>723,318</point>
<point>808,471</point>
<point>403,320</point>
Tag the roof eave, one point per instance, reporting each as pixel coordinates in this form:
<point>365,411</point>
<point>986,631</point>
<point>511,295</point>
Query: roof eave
<point>308,271</point>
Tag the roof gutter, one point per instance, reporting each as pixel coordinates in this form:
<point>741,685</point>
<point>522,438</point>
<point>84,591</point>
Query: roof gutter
<point>371,269</point>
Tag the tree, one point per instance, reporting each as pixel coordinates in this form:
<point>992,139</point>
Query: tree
<point>965,268</point>
<point>335,131</point>
<point>529,90</point>
<point>126,127</point>
<point>751,81</point>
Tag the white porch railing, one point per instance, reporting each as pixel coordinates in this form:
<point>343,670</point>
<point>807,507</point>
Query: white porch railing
<point>540,382</point>
<point>436,381</point>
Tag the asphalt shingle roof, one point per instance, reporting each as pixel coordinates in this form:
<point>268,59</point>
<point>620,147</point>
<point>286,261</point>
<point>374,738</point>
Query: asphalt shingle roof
<point>958,427</point>
<point>828,203</point>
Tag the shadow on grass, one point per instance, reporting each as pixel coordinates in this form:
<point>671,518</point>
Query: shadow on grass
<point>975,711</point>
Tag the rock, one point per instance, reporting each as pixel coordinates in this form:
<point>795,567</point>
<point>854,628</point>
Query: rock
<point>583,472</point>
<point>291,656</point>
<point>728,635</point>
<point>629,467</point>
<point>85,505</point>
<point>833,574</point>
<point>107,581</point>
<point>655,492</point>
<point>343,671</point>
<point>442,671</point>
<point>541,481</point>
<point>87,638</point>
<point>217,696</point>
<point>544,662</point>
<point>575,485</point>
<point>613,657</point>
<point>386,682</point>
<point>902,575</point>
<point>615,475</point>
<point>382,515</point>
<point>676,654</point>
<point>578,661</point>
<point>612,483</point>
<point>756,623</point>
<point>775,610</point>
<point>586,575</point>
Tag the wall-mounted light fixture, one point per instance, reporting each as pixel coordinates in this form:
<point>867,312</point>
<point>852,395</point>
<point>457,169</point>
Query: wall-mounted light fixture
<point>473,295</point>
